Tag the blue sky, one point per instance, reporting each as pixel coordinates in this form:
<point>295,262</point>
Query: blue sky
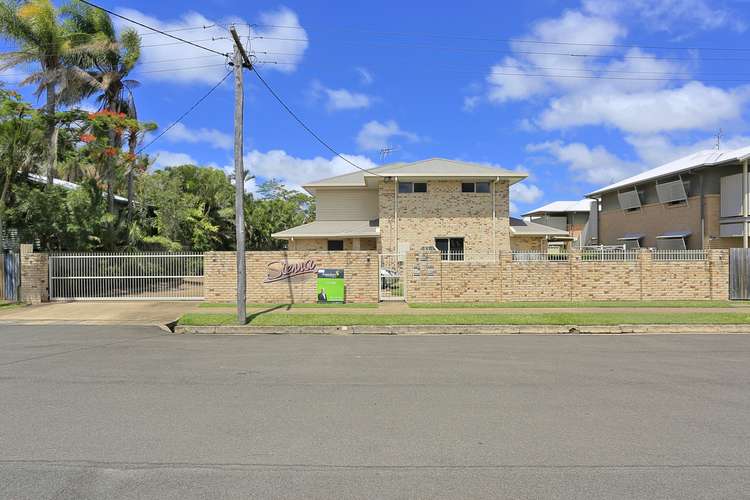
<point>476,81</point>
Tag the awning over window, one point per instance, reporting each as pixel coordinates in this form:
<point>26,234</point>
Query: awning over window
<point>631,237</point>
<point>674,234</point>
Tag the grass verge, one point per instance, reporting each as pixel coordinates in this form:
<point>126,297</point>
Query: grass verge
<point>604,305</point>
<point>344,319</point>
<point>225,305</point>
<point>4,306</point>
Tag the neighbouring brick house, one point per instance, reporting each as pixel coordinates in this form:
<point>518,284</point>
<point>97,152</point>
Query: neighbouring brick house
<point>700,201</point>
<point>459,208</point>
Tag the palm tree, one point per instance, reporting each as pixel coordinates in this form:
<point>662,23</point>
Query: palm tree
<point>19,135</point>
<point>112,59</point>
<point>42,37</point>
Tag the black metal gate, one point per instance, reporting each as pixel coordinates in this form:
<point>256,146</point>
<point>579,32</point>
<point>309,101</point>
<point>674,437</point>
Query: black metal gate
<point>11,275</point>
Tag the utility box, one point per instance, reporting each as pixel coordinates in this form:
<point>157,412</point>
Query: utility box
<point>331,285</point>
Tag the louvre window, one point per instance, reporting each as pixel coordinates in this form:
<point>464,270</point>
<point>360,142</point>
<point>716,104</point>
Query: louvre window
<point>671,192</point>
<point>629,200</point>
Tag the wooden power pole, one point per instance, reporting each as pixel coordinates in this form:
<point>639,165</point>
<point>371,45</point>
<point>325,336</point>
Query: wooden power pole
<point>240,61</point>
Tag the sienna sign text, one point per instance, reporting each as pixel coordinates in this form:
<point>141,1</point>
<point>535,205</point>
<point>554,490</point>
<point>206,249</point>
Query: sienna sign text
<point>279,270</point>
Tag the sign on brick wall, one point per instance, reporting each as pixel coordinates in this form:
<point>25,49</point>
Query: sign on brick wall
<point>282,270</point>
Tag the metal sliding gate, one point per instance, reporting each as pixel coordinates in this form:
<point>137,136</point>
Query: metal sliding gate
<point>392,281</point>
<point>126,276</point>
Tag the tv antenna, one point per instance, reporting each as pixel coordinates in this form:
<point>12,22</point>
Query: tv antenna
<point>387,151</point>
<point>719,135</point>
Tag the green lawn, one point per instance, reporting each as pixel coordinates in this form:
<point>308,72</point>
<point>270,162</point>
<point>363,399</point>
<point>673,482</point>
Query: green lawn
<point>602,304</point>
<point>4,306</point>
<point>346,319</point>
<point>289,306</point>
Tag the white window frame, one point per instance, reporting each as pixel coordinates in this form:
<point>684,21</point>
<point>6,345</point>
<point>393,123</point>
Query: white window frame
<point>451,256</point>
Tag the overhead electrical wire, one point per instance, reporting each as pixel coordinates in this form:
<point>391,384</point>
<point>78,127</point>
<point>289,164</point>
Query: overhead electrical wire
<point>513,40</point>
<point>183,115</point>
<point>137,23</point>
<point>306,127</point>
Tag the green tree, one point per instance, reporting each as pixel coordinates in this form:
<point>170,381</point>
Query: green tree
<point>42,37</point>
<point>111,60</point>
<point>276,208</point>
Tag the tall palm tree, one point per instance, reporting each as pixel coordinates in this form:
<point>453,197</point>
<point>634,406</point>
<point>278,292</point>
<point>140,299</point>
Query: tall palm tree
<point>42,38</point>
<point>111,60</point>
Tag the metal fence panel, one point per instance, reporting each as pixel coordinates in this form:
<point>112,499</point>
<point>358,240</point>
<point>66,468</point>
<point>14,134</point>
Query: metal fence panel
<point>392,277</point>
<point>126,276</point>
<point>11,275</point>
<point>678,255</point>
<point>519,256</point>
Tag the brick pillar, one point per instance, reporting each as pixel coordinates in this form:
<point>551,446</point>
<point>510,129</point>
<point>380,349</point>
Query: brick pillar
<point>505,261</point>
<point>34,276</point>
<point>576,279</point>
<point>718,261</point>
<point>423,271</point>
<point>646,259</point>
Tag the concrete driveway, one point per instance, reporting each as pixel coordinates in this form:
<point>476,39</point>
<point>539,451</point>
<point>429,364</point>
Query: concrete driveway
<point>99,313</point>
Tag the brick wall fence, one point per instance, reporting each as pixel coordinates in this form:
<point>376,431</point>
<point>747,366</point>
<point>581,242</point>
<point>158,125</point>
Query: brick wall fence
<point>361,270</point>
<point>430,279</point>
<point>34,276</point>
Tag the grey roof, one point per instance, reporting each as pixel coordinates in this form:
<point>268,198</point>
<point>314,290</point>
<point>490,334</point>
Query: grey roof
<point>520,227</point>
<point>332,229</point>
<point>631,236</point>
<point>562,207</point>
<point>706,158</point>
<point>674,234</point>
<point>432,168</point>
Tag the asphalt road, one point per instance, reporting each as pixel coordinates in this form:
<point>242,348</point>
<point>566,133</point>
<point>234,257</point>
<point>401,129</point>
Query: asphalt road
<point>127,412</point>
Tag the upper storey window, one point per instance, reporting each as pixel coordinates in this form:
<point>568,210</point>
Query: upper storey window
<point>475,187</point>
<point>412,187</point>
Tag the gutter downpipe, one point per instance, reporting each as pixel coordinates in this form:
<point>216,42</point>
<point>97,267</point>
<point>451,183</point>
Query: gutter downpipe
<point>494,217</point>
<point>744,204</point>
<point>395,215</point>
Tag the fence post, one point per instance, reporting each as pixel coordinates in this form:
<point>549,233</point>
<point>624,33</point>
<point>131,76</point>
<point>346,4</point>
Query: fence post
<point>34,276</point>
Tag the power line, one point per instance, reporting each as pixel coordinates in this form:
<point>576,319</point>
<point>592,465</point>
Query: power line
<point>308,129</point>
<point>183,115</point>
<point>510,52</point>
<point>111,13</point>
<point>516,40</point>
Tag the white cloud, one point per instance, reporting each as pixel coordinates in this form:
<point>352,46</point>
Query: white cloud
<point>593,165</point>
<point>692,106</point>
<point>471,102</point>
<point>365,75</point>
<point>525,193</point>
<point>622,91</point>
<point>670,15</point>
<point>212,137</point>
<point>294,171</point>
<point>341,99</point>
<point>376,135</point>
<point>165,59</point>
<point>170,159</point>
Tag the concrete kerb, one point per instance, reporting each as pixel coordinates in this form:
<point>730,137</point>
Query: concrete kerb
<point>465,330</point>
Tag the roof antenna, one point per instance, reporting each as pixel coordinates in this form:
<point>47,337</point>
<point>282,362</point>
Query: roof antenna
<point>719,135</point>
<point>387,151</point>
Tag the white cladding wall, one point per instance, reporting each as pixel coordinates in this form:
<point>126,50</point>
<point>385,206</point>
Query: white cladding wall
<point>346,204</point>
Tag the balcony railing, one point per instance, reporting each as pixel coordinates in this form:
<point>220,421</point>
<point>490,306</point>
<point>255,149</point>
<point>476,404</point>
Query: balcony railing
<point>678,255</point>
<point>519,256</point>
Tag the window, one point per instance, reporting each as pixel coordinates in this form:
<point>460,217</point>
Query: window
<point>335,245</point>
<point>412,187</point>
<point>475,187</point>
<point>450,248</point>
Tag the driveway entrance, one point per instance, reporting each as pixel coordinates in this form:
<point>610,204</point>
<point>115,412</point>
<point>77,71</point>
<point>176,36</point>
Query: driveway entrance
<point>89,313</point>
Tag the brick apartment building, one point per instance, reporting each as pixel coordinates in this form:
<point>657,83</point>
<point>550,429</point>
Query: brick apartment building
<point>696,202</point>
<point>460,208</point>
